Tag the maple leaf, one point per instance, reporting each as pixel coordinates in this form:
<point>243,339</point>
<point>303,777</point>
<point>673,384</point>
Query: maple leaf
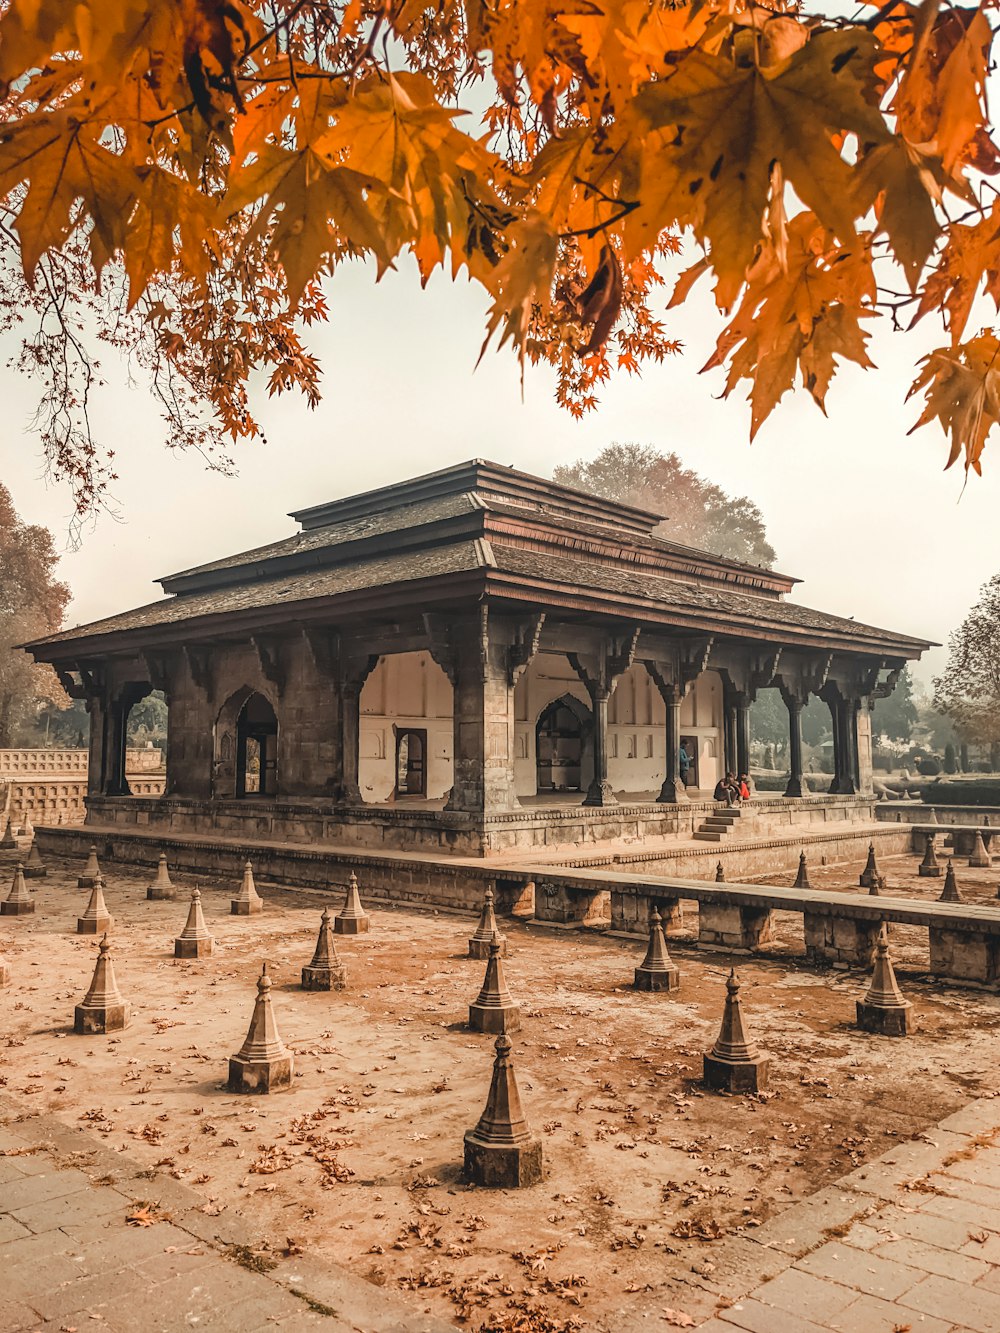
<point>798,317</point>
<point>731,119</point>
<point>971,257</point>
<point>961,387</point>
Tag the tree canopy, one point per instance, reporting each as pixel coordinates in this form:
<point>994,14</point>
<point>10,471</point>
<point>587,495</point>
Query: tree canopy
<point>696,512</point>
<point>896,715</point>
<point>968,690</point>
<point>179,177</point>
<point>32,603</point>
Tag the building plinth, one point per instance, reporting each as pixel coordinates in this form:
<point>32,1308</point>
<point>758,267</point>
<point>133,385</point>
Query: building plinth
<point>325,971</point>
<point>19,901</point>
<point>964,955</point>
<point>501,1151</point>
<point>657,971</point>
<point>248,901</point>
<point>102,1009</point>
<point>194,941</point>
<point>486,931</point>
<point>352,919</point>
<point>494,1009</point>
<point>733,1064</point>
<point>263,1064</point>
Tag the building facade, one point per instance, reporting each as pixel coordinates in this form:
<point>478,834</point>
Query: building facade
<point>465,661</point>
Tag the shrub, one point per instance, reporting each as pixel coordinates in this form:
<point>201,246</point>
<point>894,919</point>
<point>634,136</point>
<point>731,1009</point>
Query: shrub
<point>929,767</point>
<point>950,760</point>
<point>974,792</point>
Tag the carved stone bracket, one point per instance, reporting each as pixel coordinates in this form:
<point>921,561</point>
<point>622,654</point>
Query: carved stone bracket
<point>76,689</point>
<point>694,655</point>
<point>323,647</point>
<point>269,659</point>
<point>158,669</point>
<point>764,668</point>
<point>356,670</point>
<point>199,665</point>
<point>439,645</point>
<point>883,688</point>
<point>622,653</point>
<point>670,690</point>
<point>527,636</point>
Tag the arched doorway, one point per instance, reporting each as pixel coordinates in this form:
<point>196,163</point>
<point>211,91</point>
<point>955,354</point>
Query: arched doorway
<point>256,748</point>
<point>411,762</point>
<point>561,733</point>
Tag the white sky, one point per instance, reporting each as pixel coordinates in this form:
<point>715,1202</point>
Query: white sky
<point>863,514</point>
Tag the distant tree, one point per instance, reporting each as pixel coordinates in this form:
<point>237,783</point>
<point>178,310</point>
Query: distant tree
<point>147,720</point>
<point>968,690</point>
<point>950,761</point>
<point>32,603</point>
<point>696,512</point>
<point>896,716</point>
<point>816,724</point>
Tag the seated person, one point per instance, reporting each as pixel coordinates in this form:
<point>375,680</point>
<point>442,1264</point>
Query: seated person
<point>744,786</point>
<point>723,791</point>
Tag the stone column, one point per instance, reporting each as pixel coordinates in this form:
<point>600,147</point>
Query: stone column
<point>849,782</point>
<point>729,729</point>
<point>796,783</point>
<point>483,720</point>
<point>673,789</point>
<point>599,792</point>
<point>350,736</point>
<point>742,734</point>
<point>835,706</point>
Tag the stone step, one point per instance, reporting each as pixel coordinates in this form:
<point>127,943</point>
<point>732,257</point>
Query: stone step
<point>707,835</point>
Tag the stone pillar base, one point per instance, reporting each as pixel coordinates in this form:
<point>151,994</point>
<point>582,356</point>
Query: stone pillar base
<point>515,897</point>
<point>325,978</point>
<point>964,955</point>
<point>796,787</point>
<point>244,907</point>
<point>840,940</point>
<point>885,1022</point>
<point>193,948</point>
<point>34,872</point>
<point>511,1166</point>
<point>350,925</point>
<point>260,1076</point>
<point>155,894</point>
<point>481,948</point>
<point>86,881</point>
<point>576,907</point>
<point>737,1075</point>
<point>673,792</point>
<point>666,980</point>
<point>94,925</point>
<point>494,1020</point>
<point>729,926</point>
<point>930,872</point>
<point>600,793</point>
<point>19,908</point>
<point>111,1019</point>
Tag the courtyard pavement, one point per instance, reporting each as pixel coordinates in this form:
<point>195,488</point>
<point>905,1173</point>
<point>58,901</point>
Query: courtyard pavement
<point>71,1259</point>
<point>909,1242</point>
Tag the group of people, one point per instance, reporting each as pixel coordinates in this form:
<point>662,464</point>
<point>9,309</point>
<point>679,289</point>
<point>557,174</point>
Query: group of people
<point>733,789</point>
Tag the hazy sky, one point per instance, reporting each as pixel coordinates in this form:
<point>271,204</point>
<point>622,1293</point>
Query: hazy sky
<point>861,513</point>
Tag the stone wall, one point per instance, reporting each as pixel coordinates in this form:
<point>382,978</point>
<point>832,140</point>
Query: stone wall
<point>50,786</point>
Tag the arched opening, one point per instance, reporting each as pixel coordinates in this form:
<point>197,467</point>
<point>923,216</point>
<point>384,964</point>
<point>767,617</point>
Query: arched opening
<point>561,734</point>
<point>406,731</point>
<point>256,748</point>
<point>411,762</point>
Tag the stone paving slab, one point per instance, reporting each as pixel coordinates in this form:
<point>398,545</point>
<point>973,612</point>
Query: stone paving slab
<point>69,1258</point>
<point>909,1241</point>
